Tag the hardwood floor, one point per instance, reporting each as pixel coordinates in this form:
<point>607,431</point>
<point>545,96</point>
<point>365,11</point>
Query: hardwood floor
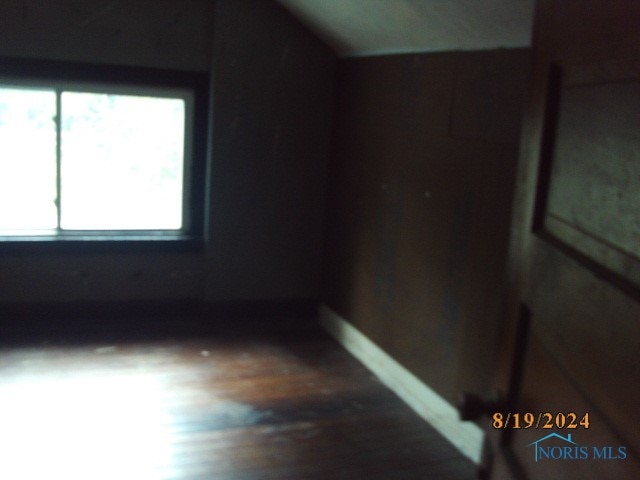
<point>242,405</point>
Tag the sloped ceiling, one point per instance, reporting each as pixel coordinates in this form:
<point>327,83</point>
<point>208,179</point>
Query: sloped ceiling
<point>375,27</point>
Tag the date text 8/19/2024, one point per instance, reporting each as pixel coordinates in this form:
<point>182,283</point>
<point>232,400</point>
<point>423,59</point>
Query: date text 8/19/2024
<point>543,420</point>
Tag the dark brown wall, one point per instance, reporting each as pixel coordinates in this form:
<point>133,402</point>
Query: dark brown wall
<point>273,90</point>
<point>150,33</point>
<point>419,194</point>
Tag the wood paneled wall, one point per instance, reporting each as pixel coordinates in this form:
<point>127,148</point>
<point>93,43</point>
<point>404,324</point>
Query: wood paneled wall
<point>420,186</point>
<point>272,87</point>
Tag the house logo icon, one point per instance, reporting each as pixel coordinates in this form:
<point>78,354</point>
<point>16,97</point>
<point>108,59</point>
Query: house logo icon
<point>568,450</point>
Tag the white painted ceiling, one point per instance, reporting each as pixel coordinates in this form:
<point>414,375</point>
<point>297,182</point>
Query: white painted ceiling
<point>375,27</point>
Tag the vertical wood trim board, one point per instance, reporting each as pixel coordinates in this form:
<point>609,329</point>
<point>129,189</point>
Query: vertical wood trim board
<point>440,414</point>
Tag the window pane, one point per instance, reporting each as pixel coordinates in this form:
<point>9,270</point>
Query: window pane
<point>122,162</point>
<point>27,160</point>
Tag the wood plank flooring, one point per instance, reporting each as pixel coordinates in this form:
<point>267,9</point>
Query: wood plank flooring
<point>254,404</point>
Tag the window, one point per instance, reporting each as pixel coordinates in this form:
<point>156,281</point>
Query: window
<point>88,160</point>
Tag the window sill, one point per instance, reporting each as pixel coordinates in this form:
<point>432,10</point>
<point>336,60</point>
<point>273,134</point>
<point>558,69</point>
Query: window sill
<point>96,243</point>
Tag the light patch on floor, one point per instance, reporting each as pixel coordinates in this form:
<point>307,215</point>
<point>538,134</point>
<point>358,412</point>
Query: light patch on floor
<point>80,428</point>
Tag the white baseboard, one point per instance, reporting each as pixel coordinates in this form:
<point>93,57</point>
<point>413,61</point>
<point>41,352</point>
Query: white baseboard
<point>466,436</point>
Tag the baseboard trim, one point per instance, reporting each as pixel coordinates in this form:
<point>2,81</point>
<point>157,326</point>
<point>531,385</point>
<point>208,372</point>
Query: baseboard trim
<point>466,436</point>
